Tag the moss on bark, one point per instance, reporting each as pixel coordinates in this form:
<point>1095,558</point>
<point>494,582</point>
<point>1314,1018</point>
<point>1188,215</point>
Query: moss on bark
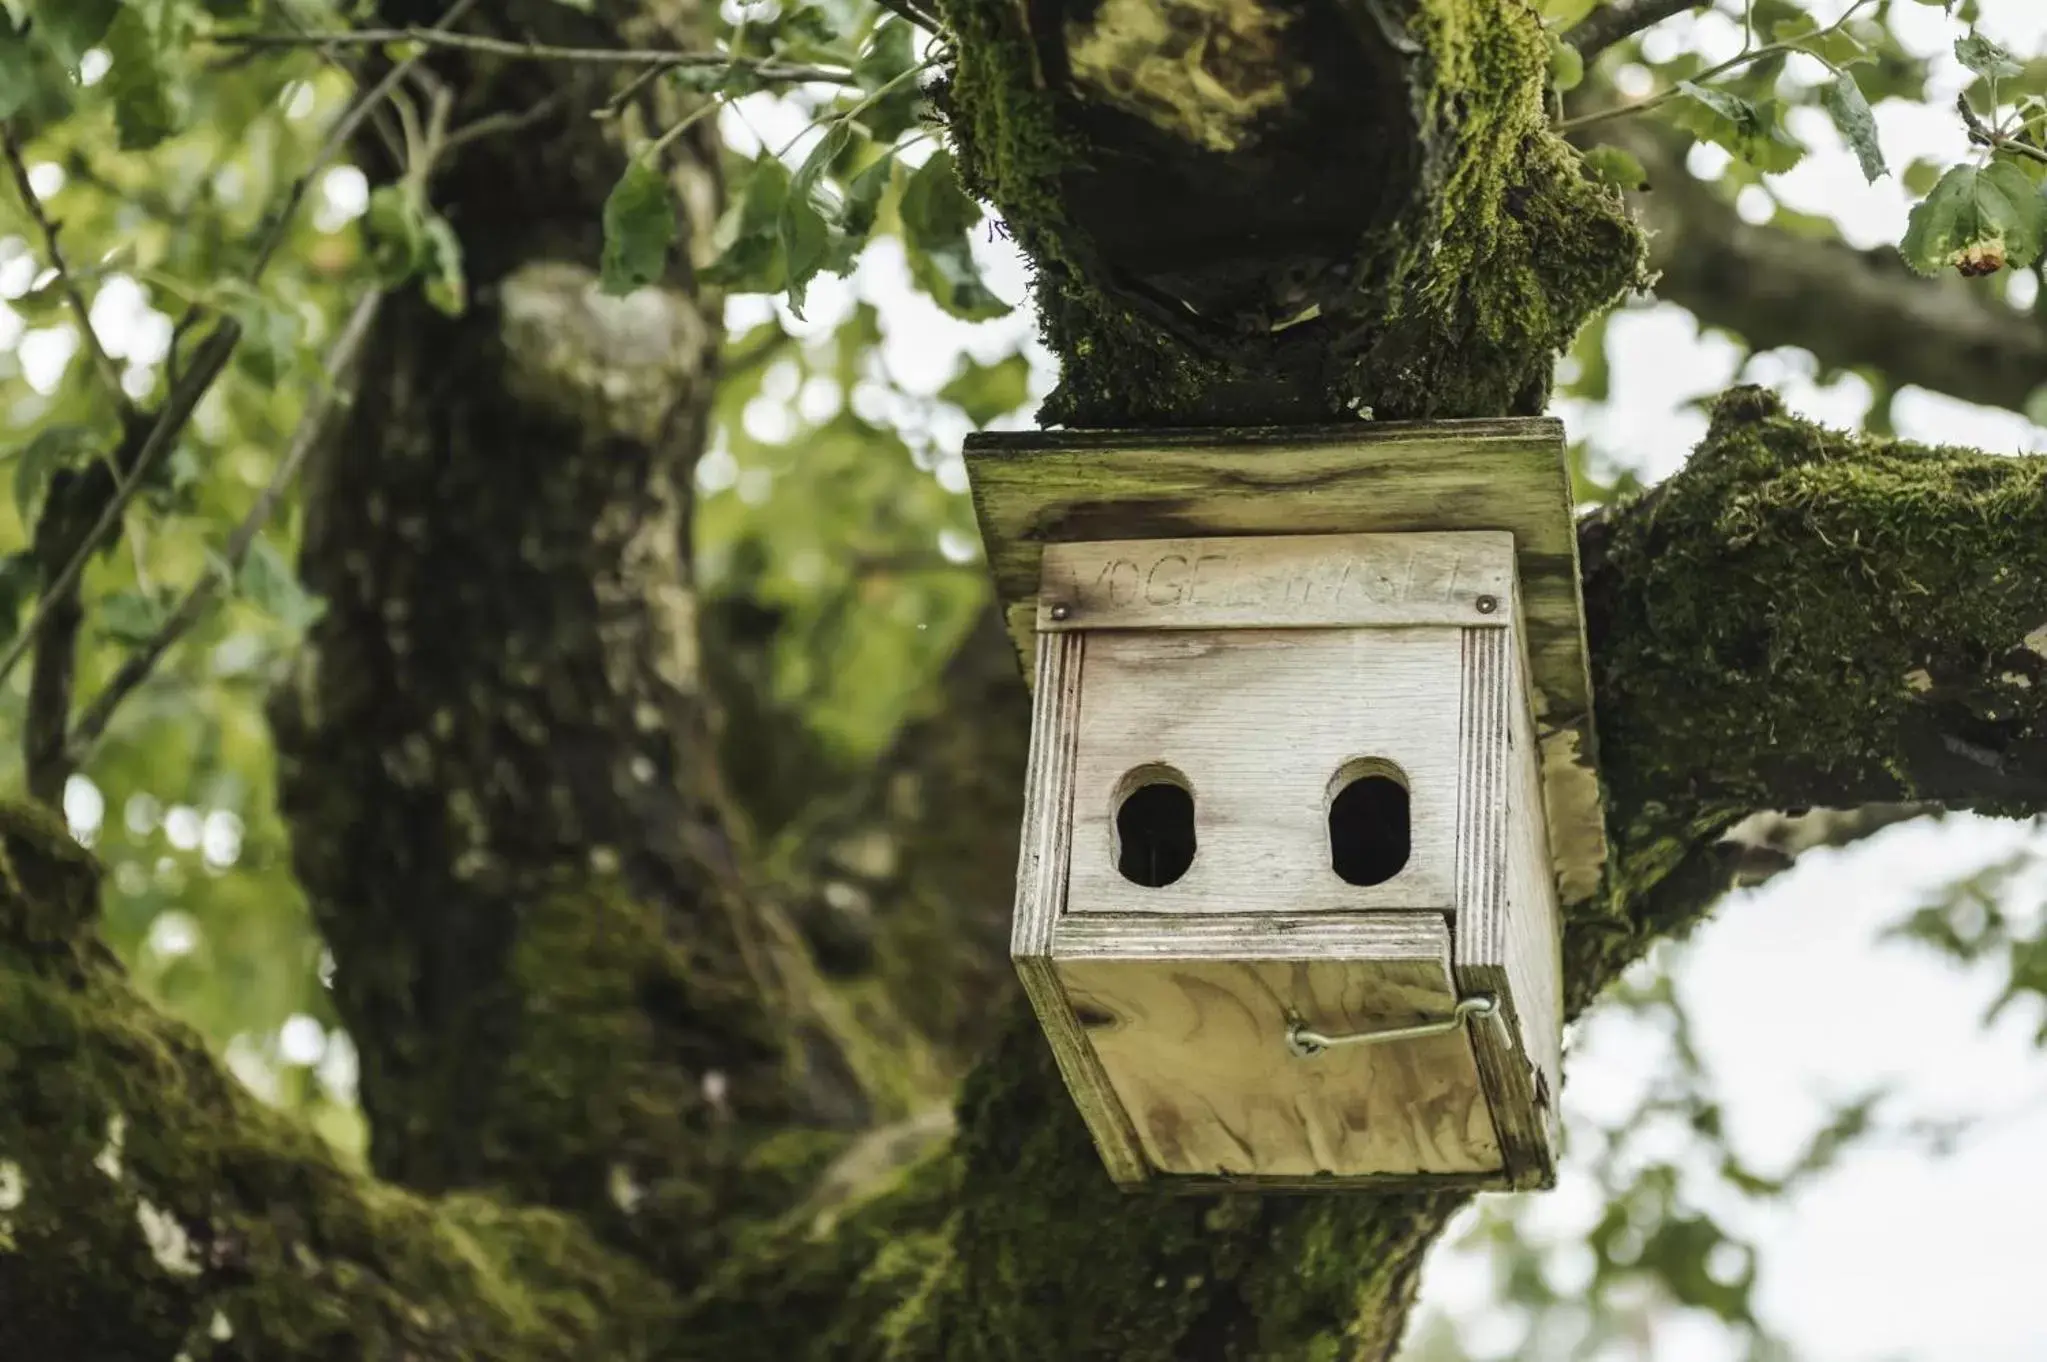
<point>1804,616</point>
<point>150,1208</point>
<point>1395,232</point>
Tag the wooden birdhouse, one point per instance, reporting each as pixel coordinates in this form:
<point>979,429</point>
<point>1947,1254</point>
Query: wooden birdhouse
<point>1311,780</point>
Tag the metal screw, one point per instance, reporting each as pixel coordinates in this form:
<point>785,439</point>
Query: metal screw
<point>1060,612</point>
<point>1488,604</point>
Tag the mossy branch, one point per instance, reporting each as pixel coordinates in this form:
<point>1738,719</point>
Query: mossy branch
<point>150,1207</point>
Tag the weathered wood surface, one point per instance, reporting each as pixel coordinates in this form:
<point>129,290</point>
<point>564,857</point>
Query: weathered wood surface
<point>1035,489</point>
<point>1506,942</point>
<point>1195,1052</point>
<point>1261,725</point>
<point>1286,581</point>
<point>1041,897</point>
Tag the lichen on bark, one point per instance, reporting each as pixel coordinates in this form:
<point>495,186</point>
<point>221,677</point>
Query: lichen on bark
<point>1388,229</point>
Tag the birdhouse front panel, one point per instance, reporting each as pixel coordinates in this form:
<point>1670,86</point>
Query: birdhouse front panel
<point>1255,736</point>
<point>1288,893</point>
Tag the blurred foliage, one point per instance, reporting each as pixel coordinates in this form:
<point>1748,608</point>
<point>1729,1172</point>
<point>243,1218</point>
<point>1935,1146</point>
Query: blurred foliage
<point>1983,921</point>
<point>831,500</point>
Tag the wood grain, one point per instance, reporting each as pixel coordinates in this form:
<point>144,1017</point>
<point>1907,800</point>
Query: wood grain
<point>1284,581</point>
<point>1035,489</point>
<point>1258,724</point>
<point>1194,1050</point>
<point>1041,895</point>
<point>1506,925</point>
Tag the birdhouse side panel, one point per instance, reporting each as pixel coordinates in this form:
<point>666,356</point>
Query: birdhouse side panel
<point>1040,899</point>
<point>1506,940</point>
<point>1263,730</point>
<point>1535,926</point>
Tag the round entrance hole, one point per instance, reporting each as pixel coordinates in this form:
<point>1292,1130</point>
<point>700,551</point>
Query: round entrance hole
<point>1369,832</point>
<point>1154,827</point>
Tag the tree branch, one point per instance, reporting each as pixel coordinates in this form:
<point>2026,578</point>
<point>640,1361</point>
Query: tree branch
<point>763,68</point>
<point>1851,308</point>
<point>47,229</point>
<point>210,358</point>
<point>1619,20</point>
<point>1806,618</point>
<point>150,1207</point>
<point>312,426</point>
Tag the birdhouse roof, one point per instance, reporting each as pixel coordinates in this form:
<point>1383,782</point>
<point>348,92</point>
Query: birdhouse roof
<point>1031,489</point>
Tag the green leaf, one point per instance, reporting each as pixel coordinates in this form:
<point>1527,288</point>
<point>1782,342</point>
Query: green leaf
<point>1986,58</point>
<point>750,258</point>
<point>446,288</point>
<point>267,582</point>
<point>53,447</point>
<point>129,617</point>
<point>72,28</point>
<point>1562,14</point>
<point>395,235</point>
<point>18,83</point>
<point>639,224</point>
<point>1851,114</point>
<point>812,214</point>
<point>1748,130</point>
<point>1977,222</point>
<point>937,215</point>
<point>986,391</point>
<point>1921,176</point>
<point>1613,165</point>
<point>863,200</point>
<point>1835,46</point>
<point>889,56</point>
<point>270,340</point>
<point>1566,65</point>
<point>145,110</point>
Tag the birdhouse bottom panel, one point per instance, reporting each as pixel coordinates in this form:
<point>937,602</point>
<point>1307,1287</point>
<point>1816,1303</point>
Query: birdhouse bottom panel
<point>1196,1053</point>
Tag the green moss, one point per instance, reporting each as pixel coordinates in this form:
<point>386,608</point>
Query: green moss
<point>1162,1276</point>
<point>1015,148</point>
<point>1478,254</point>
<point>1807,617</point>
<point>155,1209</point>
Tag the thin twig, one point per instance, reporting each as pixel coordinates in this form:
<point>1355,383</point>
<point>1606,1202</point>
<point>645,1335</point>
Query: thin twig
<point>1621,20</point>
<point>381,120</point>
<point>48,230</point>
<point>925,19</point>
<point>880,93</point>
<point>1745,57</point>
<point>338,136</point>
<point>312,425</point>
<point>207,362</point>
<point>492,125</point>
<point>765,68</point>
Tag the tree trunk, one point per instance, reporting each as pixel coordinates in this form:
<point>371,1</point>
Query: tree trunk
<point>629,1097</point>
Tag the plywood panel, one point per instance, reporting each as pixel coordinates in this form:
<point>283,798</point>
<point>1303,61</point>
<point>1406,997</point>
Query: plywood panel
<point>1291,581</point>
<point>1040,897</point>
<point>1195,1051</point>
<point>1035,489</point>
<point>1259,723</point>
